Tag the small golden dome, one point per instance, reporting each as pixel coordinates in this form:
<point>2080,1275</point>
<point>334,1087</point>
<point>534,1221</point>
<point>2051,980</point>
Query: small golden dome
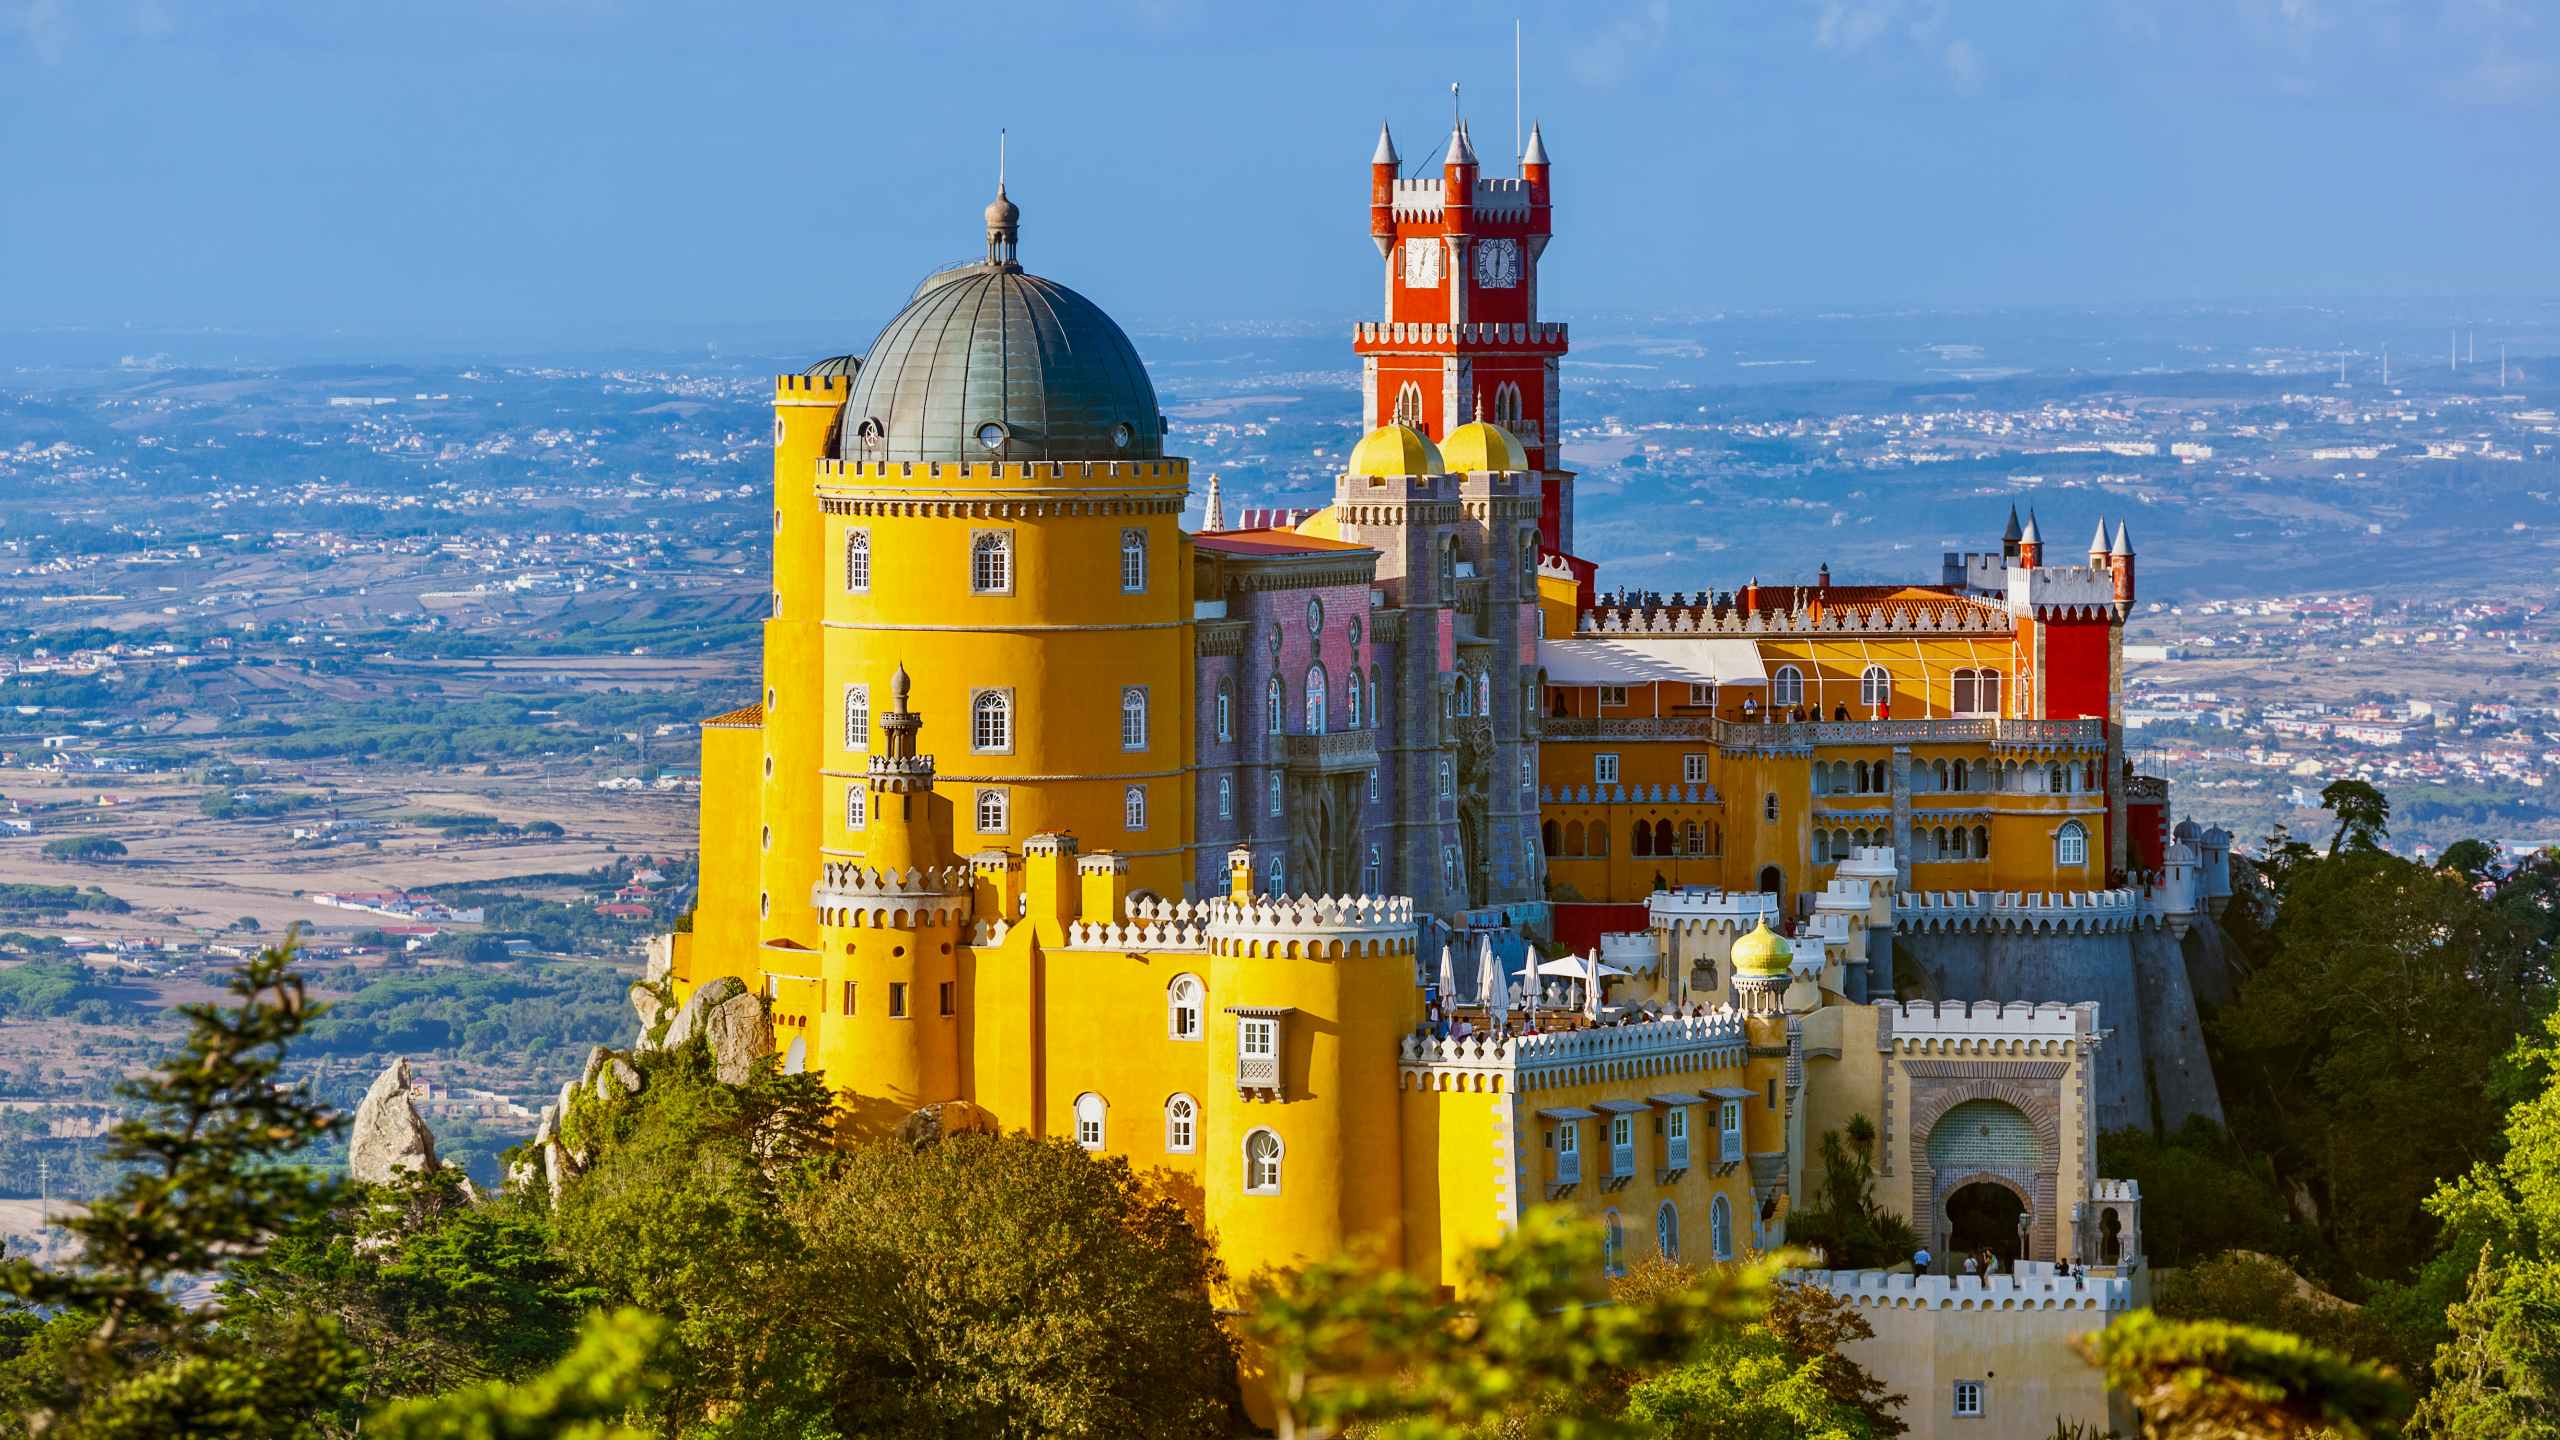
<point>1392,450</point>
<point>1762,952</point>
<point>1483,445</point>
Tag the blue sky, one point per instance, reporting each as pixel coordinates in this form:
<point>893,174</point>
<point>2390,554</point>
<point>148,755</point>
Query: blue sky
<point>594,171</point>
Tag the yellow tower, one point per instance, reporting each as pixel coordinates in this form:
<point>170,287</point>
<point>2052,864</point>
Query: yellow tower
<point>805,408</point>
<point>999,500</point>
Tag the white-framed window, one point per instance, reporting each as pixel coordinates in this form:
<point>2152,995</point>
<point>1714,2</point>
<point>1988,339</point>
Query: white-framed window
<point>1666,1230</point>
<point>857,806</point>
<point>1275,877</point>
<point>1274,806</point>
<point>1133,562</point>
<point>1622,1144</point>
<point>1133,717</point>
<point>1568,1152</point>
<point>1968,1400</point>
<point>1675,1137</point>
<point>1181,1125</point>
<point>1226,797</point>
<point>1448,780</point>
<point>1351,701</point>
<point>857,561</point>
<point>1613,697</point>
<point>1613,1245</point>
<point>857,717</point>
<point>1528,769</point>
<point>1185,1000</point>
<point>1977,692</point>
<point>1226,711</point>
<point>1373,694</point>
<point>991,562</point>
<point>1449,867</point>
<point>992,810</point>
<point>1409,395</point>
<point>1315,700</point>
<point>1506,406</point>
<point>1262,1155</point>
<point>1729,1127</point>
<point>1272,714</point>
<point>1090,1113</point>
<point>1604,769</point>
<point>1693,768</point>
<point>1373,786</point>
<point>2070,846</point>
<point>1874,686</point>
<point>991,722</point>
<point>1704,695</point>
<point>1370,872</point>
<point>1720,1228</point>
<point>1133,808</point>
<point>1787,686</point>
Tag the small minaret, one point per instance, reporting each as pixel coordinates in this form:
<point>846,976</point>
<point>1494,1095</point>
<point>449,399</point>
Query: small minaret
<point>1213,511</point>
<point>2120,560</point>
<point>2031,543</point>
<point>2009,538</point>
<point>904,832</point>
<point>1004,230</point>
<point>1533,170</point>
<point>1458,174</point>
<point>1382,190</point>
<point>2098,547</point>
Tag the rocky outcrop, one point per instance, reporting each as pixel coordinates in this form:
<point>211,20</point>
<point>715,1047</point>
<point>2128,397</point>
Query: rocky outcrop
<point>732,1019</point>
<point>388,1136</point>
<point>933,1123</point>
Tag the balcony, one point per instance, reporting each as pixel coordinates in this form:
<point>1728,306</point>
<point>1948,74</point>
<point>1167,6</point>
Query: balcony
<point>1568,1167</point>
<point>2037,735</point>
<point>1675,1154</point>
<point>1730,1151</point>
<point>1336,752</point>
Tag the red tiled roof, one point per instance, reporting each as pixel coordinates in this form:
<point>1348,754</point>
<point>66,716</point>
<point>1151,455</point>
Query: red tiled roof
<point>1268,542</point>
<point>745,717</point>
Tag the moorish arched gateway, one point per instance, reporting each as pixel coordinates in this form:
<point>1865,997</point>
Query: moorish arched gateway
<point>1980,1129</point>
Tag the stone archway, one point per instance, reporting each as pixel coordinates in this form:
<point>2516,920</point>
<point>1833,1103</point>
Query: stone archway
<point>2025,1156</point>
<point>1981,1212</point>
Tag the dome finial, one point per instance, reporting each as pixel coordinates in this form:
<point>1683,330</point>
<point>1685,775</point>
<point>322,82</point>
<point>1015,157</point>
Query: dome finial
<point>898,688</point>
<point>1004,218</point>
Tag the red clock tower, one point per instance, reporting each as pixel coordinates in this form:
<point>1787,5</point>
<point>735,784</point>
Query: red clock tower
<point>1461,339</point>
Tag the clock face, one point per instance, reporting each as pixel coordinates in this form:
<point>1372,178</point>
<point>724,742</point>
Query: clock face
<point>1421,264</point>
<point>1498,264</point>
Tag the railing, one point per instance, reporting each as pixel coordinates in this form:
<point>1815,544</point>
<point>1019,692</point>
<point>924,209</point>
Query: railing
<point>1675,1153</point>
<point>1730,1152</point>
<point>1746,734</point>
<point>1332,750</point>
<point>1568,1167</point>
<point>1622,1161</point>
<point>1258,1072</point>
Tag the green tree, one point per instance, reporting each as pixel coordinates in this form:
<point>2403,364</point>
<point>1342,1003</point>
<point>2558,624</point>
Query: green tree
<point>2201,1193</point>
<point>1749,1388</point>
<point>2364,815</point>
<point>2246,1288</point>
<point>208,1177</point>
<point>586,1396</point>
<point>1844,1221</point>
<point>1346,1341</point>
<point>2469,859</point>
<point>2208,1380</point>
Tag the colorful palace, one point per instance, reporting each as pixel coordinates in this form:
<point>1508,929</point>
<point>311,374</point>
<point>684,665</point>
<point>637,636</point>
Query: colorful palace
<point>1370,873</point>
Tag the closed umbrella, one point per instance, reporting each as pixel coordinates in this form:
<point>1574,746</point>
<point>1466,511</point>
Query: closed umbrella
<point>1497,994</point>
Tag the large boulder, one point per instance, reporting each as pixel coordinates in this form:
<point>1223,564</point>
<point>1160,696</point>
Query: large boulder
<point>732,1018</point>
<point>650,1002</point>
<point>388,1136</point>
<point>932,1124</point>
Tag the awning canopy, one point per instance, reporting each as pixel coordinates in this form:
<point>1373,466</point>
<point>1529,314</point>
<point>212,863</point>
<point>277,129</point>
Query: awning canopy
<point>1568,1112</point>
<point>1679,1097</point>
<point>1594,660</point>
<point>1733,1092</point>
<point>1620,1107</point>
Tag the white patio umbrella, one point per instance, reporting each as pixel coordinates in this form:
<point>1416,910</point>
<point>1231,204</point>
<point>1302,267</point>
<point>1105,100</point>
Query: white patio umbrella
<point>1497,994</point>
<point>1448,978</point>
<point>1529,983</point>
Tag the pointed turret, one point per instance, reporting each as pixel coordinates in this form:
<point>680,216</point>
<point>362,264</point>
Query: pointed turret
<point>2098,544</point>
<point>2120,561</point>
<point>1462,151</point>
<point>1382,191</point>
<point>2031,543</point>
<point>1536,154</point>
<point>1213,511</point>
<point>2124,542</point>
<point>2009,538</point>
<point>1385,154</point>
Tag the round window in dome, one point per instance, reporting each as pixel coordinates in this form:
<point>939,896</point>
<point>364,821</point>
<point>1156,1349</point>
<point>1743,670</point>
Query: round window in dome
<point>1122,434</point>
<point>991,435</point>
<point>870,431</point>
<point>1315,616</point>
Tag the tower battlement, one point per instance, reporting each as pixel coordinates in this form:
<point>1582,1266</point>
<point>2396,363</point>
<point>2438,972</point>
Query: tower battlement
<point>1542,336</point>
<point>1311,927</point>
<point>1720,1038</point>
<point>2037,1289</point>
<point>1696,909</point>
<point>1941,1023</point>
<point>2052,912</point>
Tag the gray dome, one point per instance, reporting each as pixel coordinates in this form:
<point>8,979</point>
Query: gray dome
<point>988,345</point>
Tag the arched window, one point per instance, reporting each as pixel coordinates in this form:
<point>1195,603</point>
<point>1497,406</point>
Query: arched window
<point>1822,848</point>
<point>1373,694</point>
<point>857,806</point>
<point>1226,710</point>
<point>1133,807</point>
<point>1181,1125</point>
<point>1962,777</point>
<point>1133,562</point>
<point>991,809</point>
<point>1613,1244</point>
<point>2070,846</point>
<point>1963,701</point>
<point>1874,687</point>
<point>1262,1155</point>
<point>1274,806</point>
<point>1275,877</point>
<point>991,721</point>
<point>1938,772</point>
<point>857,561</point>
<point>1271,707</point>
<point>1787,686</point>
<point>1987,693</point>
<point>1641,840</point>
<point>1662,837</point>
<point>1693,840</point>
<point>1666,1230</point>
<point>1484,694</point>
<point>1226,797</point>
<point>1462,696</point>
<point>1862,777</point>
<point>1840,845</point>
<point>1409,405</point>
<point>857,717</point>
<point>1315,700</point>
<point>1938,843</point>
<point>991,562</point>
<point>2055,782</point>
<point>1572,839</point>
<point>1599,838</point>
<point>1449,569</point>
<point>1448,780</point>
<point>1981,843</point>
<point>1090,1111</point>
<point>1133,717</point>
<point>1351,701</point>
<point>1720,1228</point>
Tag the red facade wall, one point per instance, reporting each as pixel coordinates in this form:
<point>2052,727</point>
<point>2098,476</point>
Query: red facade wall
<point>2076,659</point>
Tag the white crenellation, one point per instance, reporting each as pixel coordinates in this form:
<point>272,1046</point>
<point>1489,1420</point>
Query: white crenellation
<point>2056,912</point>
<point>1310,926</point>
<point>1645,1049</point>
<point>1699,908</point>
<point>2034,1286</point>
<point>1919,1023</point>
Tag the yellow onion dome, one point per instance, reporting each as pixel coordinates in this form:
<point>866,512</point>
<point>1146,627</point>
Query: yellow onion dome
<point>1394,450</point>
<point>1483,445</point>
<point>1762,952</point>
